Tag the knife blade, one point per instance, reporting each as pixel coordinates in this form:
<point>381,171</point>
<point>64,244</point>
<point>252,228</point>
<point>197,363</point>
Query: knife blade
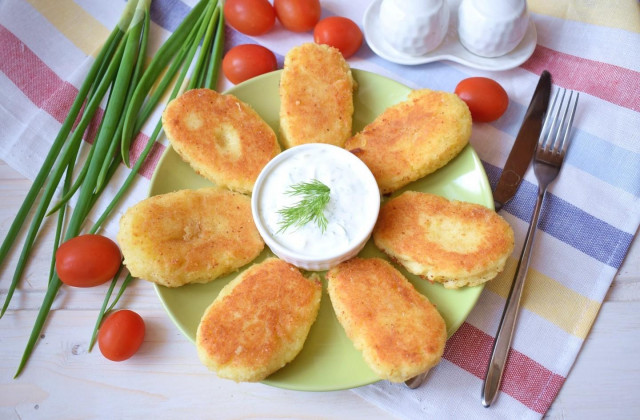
<point>525,143</point>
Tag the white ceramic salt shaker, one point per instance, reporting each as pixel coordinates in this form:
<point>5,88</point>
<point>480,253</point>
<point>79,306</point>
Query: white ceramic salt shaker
<point>414,27</point>
<point>492,28</point>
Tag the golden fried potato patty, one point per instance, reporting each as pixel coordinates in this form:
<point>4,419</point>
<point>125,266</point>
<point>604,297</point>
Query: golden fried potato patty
<point>189,236</point>
<point>413,138</point>
<point>259,321</point>
<point>316,96</point>
<point>451,242</point>
<point>400,333</point>
<point>221,137</point>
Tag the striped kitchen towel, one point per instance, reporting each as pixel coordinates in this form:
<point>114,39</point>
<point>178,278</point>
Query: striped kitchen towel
<point>588,222</point>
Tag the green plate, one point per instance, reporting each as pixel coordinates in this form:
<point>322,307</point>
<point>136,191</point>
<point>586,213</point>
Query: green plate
<point>328,360</point>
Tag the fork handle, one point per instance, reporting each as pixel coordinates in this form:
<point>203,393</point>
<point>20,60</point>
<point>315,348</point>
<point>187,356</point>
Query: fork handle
<point>510,314</point>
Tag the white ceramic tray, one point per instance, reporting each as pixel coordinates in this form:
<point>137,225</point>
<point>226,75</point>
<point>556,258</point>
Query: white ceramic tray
<point>450,48</point>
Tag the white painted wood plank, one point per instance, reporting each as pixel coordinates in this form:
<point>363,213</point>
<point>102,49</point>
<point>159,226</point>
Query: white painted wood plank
<point>606,376</point>
<point>63,380</point>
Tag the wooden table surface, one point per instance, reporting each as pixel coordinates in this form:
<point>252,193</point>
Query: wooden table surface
<point>166,380</point>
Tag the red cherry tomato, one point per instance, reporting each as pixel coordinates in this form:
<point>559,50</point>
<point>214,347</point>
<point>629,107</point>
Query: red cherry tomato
<point>251,17</point>
<point>339,32</point>
<point>298,15</point>
<point>486,99</point>
<point>245,61</point>
<point>87,260</point>
<point>121,335</point>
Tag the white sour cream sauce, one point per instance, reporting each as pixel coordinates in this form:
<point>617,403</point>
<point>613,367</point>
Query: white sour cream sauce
<point>354,199</point>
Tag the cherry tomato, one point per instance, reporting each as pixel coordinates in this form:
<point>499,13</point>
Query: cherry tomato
<point>486,99</point>
<point>339,32</point>
<point>245,61</point>
<point>298,15</point>
<point>87,260</point>
<point>251,17</point>
<point>121,335</point>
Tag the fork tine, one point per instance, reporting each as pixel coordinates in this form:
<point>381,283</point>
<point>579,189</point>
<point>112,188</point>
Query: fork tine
<point>549,120</point>
<point>572,104</point>
<point>556,124</point>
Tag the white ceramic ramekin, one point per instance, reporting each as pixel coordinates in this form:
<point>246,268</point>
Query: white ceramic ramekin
<point>263,207</point>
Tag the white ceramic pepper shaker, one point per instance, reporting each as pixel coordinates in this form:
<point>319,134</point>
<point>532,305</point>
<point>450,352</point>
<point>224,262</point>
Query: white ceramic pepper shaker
<point>414,27</point>
<point>492,28</point>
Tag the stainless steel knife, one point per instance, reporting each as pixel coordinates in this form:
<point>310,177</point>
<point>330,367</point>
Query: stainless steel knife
<point>525,143</point>
<point>518,161</point>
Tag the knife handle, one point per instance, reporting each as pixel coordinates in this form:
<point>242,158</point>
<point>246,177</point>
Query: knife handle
<point>504,336</point>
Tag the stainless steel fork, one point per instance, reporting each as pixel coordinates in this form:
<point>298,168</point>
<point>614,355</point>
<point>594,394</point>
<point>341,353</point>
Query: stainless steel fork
<point>550,152</point>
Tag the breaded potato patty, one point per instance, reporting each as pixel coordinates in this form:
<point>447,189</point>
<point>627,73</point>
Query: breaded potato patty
<point>189,236</point>
<point>259,321</point>
<point>451,242</point>
<point>400,333</point>
<point>221,137</point>
<point>316,96</point>
<point>413,138</point>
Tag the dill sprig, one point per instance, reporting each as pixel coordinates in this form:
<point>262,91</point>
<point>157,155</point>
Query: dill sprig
<point>315,197</point>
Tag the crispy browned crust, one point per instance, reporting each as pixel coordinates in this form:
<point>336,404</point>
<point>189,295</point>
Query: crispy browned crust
<point>413,138</point>
<point>221,137</point>
<point>259,321</point>
<point>452,242</point>
<point>316,95</point>
<point>189,236</point>
<point>400,333</point>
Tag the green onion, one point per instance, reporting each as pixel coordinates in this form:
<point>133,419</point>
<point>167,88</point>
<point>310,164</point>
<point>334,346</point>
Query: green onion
<point>185,57</point>
<point>187,51</point>
<point>60,223</point>
<point>213,70</point>
<point>103,309</point>
<point>158,63</point>
<point>63,153</point>
<point>103,57</point>
<point>66,196</point>
<point>119,69</point>
<point>168,78</point>
<point>140,25</point>
<point>69,151</point>
<point>82,207</point>
<point>208,26</point>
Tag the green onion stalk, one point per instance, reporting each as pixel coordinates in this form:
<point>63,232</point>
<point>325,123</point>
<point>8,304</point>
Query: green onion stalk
<point>59,142</point>
<point>119,70</point>
<point>184,59</point>
<point>117,75</point>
